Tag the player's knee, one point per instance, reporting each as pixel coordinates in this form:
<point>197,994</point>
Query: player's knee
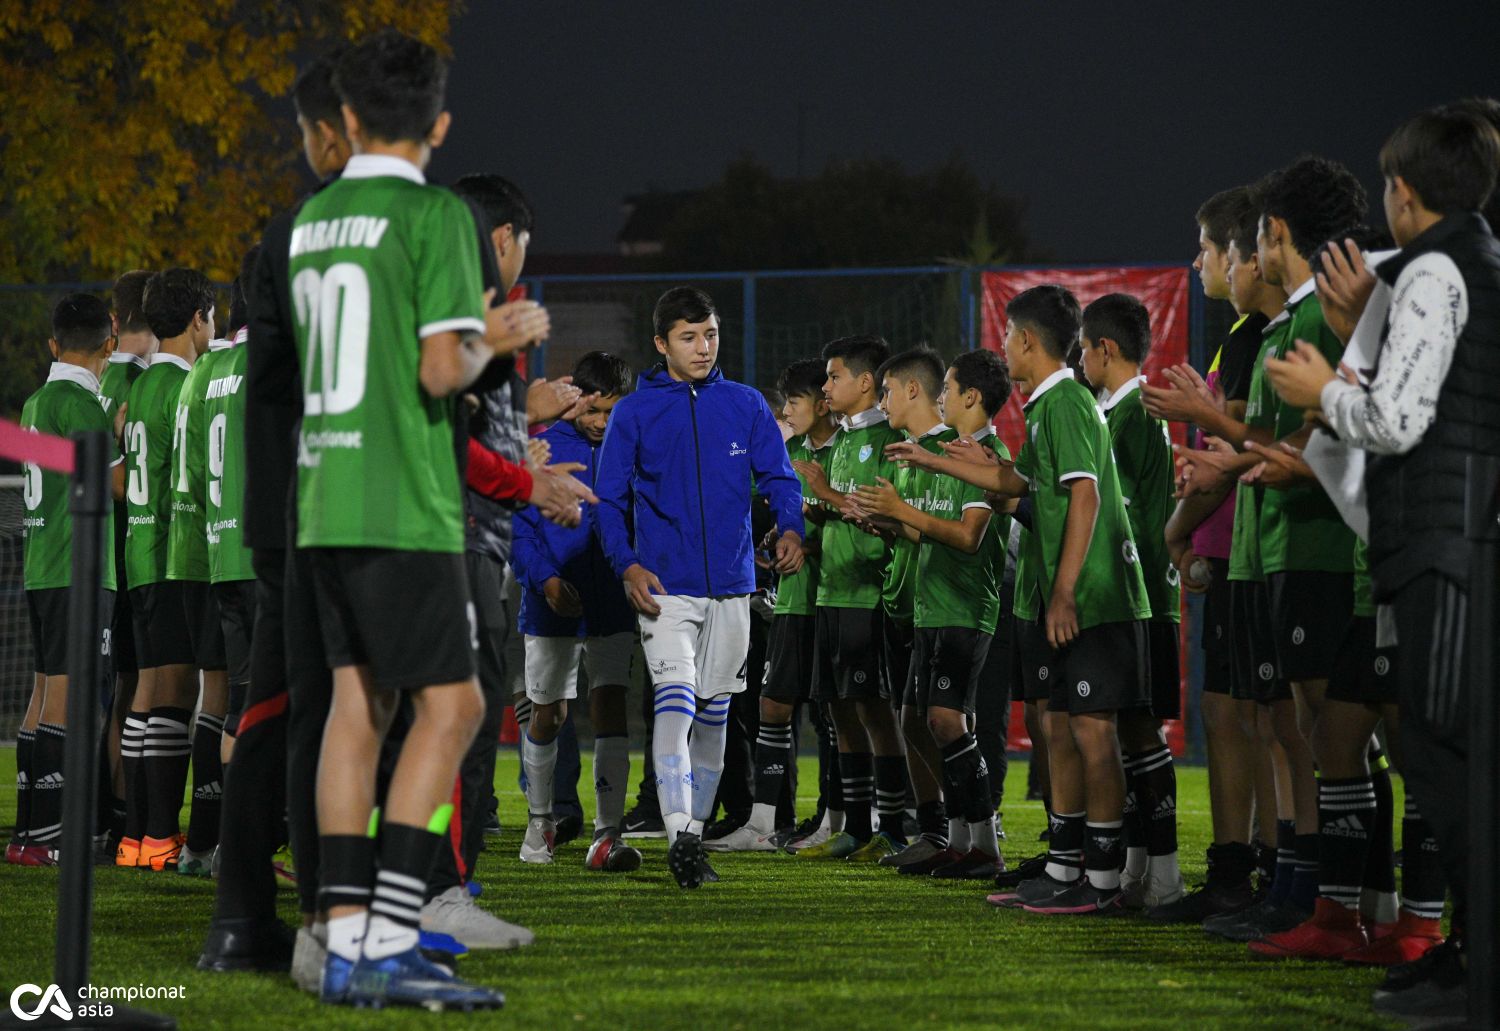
<point>945,725</point>
<point>547,720</point>
<point>772,711</point>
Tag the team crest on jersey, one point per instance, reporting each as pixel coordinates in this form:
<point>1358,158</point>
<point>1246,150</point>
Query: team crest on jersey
<point>865,452</point>
<point>1128,551</point>
<point>1173,576</point>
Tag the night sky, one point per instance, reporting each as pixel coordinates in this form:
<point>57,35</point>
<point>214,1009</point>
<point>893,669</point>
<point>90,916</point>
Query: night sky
<point>1112,121</point>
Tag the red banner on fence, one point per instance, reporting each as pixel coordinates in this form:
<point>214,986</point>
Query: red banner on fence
<point>1164,292</point>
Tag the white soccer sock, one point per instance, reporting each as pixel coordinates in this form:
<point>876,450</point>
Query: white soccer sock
<point>347,933</point>
<point>540,763</point>
<point>958,834</point>
<point>982,836</point>
<point>1136,861</point>
<point>1164,871</point>
<point>833,819</point>
<point>388,938</point>
<point>706,750</point>
<point>611,780</point>
<point>762,818</point>
<point>675,708</point>
<point>1379,906</point>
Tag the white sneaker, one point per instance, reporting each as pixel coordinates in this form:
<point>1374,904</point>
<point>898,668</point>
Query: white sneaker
<point>743,839</point>
<point>309,956</point>
<point>817,837</point>
<point>1132,891</point>
<point>455,913</point>
<point>536,847</point>
<point>1164,894</point>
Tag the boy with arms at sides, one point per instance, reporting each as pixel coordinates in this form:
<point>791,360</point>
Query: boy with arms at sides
<point>179,306</point>
<point>68,403</point>
<point>960,561</point>
<point>396,259</point>
<point>681,452</point>
<point>1116,339</point>
<point>1090,582</point>
<point>1428,406</point>
<point>851,618</point>
<point>573,612</point>
<point>791,669</point>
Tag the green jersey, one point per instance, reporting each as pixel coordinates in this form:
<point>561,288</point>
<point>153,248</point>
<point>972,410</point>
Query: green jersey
<point>150,420</point>
<point>852,573</point>
<point>67,403</point>
<point>379,261</point>
<point>797,593</point>
<point>1027,602</point>
<point>899,593</point>
<point>1244,540</point>
<point>1066,438</point>
<point>1143,458</point>
<point>954,588</point>
<point>1300,527</point>
<point>120,372</point>
<point>224,452</point>
<point>187,540</point>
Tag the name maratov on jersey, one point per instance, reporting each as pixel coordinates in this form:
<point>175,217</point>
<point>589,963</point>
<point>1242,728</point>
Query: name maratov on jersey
<point>349,231</point>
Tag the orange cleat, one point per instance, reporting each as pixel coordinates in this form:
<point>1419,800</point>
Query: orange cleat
<point>1330,933</point>
<point>160,853</point>
<point>1407,941</point>
<point>128,854</point>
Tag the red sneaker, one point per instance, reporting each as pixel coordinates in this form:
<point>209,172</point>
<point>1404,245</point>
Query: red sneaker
<point>13,853</point>
<point>37,855</point>
<point>1408,940</point>
<point>1330,933</point>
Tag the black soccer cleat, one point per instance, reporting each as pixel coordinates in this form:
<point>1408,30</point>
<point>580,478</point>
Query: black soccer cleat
<point>642,822</point>
<point>685,860</point>
<point>710,876</point>
<point>1025,870</point>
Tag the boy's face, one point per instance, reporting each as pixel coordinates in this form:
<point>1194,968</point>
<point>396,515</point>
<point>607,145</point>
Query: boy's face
<point>325,148</point>
<point>690,349</point>
<point>595,419</point>
<point>1268,244</point>
<point>510,254</point>
<point>203,330</point>
<point>1017,351</point>
<point>896,401</point>
<point>803,411</point>
<point>1397,200</point>
<point>1095,358</point>
<point>951,400</point>
<point>1244,277</point>
<point>844,390</point>
<point>1212,266</point>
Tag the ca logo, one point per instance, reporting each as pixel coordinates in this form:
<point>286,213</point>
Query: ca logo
<point>944,683</point>
<point>1298,635</point>
<point>1083,689</point>
<point>859,676</point>
<point>1267,671</point>
<point>1042,673</point>
<point>1128,551</point>
<point>1382,665</point>
<point>53,997</point>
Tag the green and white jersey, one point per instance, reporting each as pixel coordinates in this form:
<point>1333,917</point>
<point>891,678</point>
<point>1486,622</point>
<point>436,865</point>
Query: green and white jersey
<point>68,403</point>
<point>224,449</point>
<point>852,573</point>
<point>898,595</point>
<point>1244,540</point>
<point>120,372</point>
<point>956,589</point>
<point>1143,459</point>
<point>187,540</point>
<point>1300,527</point>
<point>150,420</point>
<point>380,260</point>
<point>797,593</point>
<point>1066,438</point>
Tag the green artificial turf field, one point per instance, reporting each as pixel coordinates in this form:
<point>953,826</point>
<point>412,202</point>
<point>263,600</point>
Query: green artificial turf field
<point>780,942</point>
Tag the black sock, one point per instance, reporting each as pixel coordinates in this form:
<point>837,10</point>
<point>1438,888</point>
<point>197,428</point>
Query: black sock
<point>1156,796</point>
<point>1286,860</point>
<point>406,855</point>
<point>1265,864</point>
<point>1133,818</point>
<point>932,818</point>
<point>773,752</point>
<point>25,749</point>
<point>208,783</point>
<point>1423,884</point>
<point>1102,854</point>
<point>1230,864</point>
<point>967,780</point>
<point>857,773</point>
<point>1065,847</point>
<point>46,786</point>
<point>165,756</point>
<point>132,740</point>
<point>346,870</point>
<point>1380,866</point>
<point>831,771</point>
<point>1346,814</point>
<point>1304,891</point>
<point>890,795</point>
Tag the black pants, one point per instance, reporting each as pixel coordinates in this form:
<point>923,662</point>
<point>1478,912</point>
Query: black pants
<point>309,685</point>
<point>1431,624</point>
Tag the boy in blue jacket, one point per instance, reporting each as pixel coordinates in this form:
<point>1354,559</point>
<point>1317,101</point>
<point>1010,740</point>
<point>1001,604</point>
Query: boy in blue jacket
<point>573,612</point>
<point>679,457</point>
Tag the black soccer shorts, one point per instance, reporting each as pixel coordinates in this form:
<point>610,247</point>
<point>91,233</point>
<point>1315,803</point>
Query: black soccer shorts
<point>1035,661</point>
<point>1362,673</point>
<point>1163,640</point>
<point>236,601</point>
<point>850,643</point>
<point>1215,638</point>
<point>1254,676</point>
<point>946,667</point>
<point>1309,611</point>
<point>204,624</point>
<point>791,657</point>
<point>161,629</point>
<point>899,659</point>
<point>1104,669</point>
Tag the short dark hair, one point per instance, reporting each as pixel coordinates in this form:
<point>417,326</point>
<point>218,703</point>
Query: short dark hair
<point>1053,312</point>
<point>1246,227</point>
<point>1366,238</point>
<point>1317,198</point>
<point>81,323</point>
<point>804,378</point>
<point>602,373</point>
<point>126,298</point>
<point>1123,319</point>
<point>173,297</point>
<point>1448,156</point>
<point>1220,214</point>
<point>860,354</point>
<point>1487,108</point>
<point>921,364</point>
<point>501,200</point>
<point>239,299</point>
<point>984,371</point>
<point>681,304</point>
<point>394,84</point>
<point>314,95</point>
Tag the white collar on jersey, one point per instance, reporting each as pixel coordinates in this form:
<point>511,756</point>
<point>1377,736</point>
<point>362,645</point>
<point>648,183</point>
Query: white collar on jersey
<point>1048,383</point>
<point>987,430</point>
<point>175,359</point>
<point>67,372</point>
<point>941,427</point>
<point>869,417</point>
<point>126,358</point>
<point>220,345</point>
<point>1301,292</point>
<point>1127,388</point>
<point>807,439</point>
<point>371,166</point>
<point>240,336</point>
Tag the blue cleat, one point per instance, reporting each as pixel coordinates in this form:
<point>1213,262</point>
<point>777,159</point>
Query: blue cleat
<point>475,889</point>
<point>334,987</point>
<point>410,980</point>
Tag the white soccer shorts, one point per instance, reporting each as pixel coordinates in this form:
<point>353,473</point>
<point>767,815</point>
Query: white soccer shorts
<point>552,664</point>
<point>701,642</point>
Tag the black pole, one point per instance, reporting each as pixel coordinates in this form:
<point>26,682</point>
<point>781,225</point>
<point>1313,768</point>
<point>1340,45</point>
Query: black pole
<point>1482,929</point>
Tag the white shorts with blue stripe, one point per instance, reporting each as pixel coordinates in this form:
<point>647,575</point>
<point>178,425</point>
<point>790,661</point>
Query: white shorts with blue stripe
<point>701,642</point>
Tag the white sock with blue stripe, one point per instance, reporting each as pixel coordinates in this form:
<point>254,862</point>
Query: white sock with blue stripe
<point>674,708</point>
<point>706,749</point>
